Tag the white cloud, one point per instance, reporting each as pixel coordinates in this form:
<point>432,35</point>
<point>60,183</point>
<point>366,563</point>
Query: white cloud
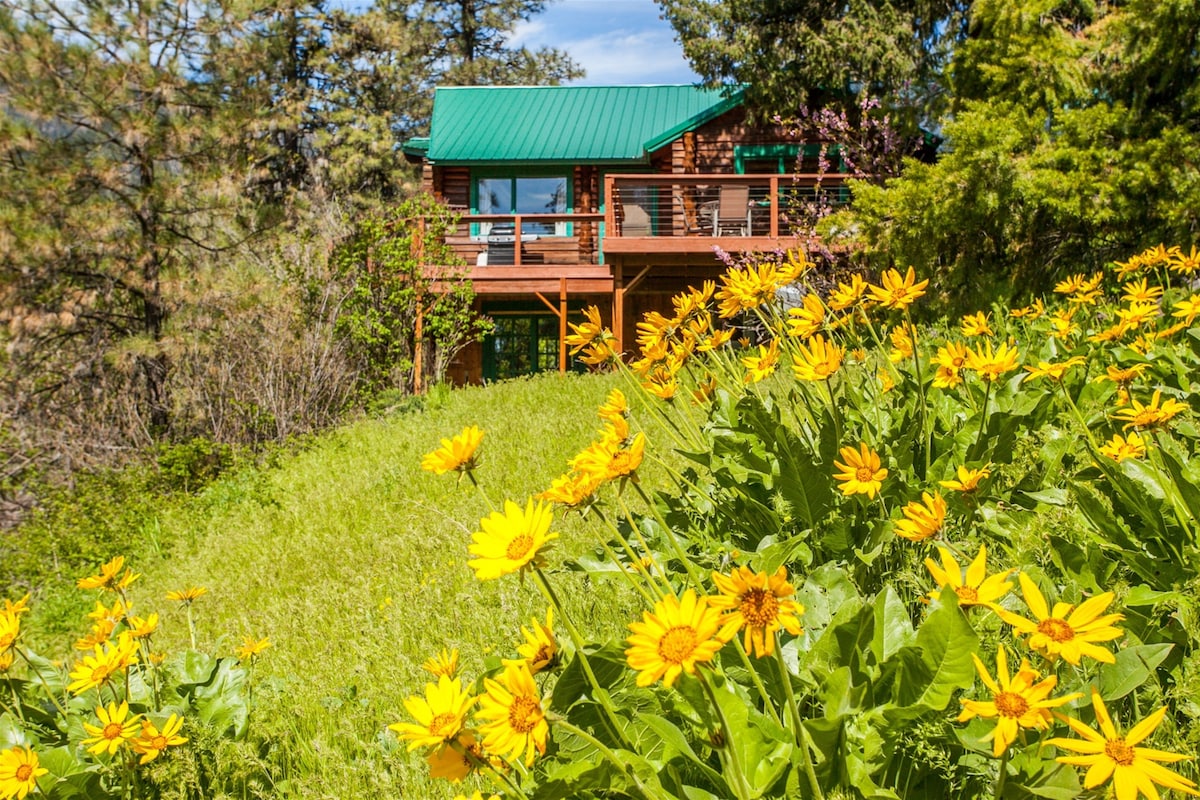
<point>621,56</point>
<point>616,41</point>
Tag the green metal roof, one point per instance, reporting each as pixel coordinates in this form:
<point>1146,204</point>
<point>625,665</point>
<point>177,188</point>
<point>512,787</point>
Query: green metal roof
<point>572,124</point>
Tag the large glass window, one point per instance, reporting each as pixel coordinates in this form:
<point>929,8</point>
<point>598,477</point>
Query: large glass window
<point>523,343</point>
<point>524,195</point>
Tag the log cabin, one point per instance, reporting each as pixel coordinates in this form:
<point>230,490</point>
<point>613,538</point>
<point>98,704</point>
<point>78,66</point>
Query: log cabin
<point>613,196</point>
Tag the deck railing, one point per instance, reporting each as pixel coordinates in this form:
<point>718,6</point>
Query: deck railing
<point>528,239</point>
<point>688,209</point>
<point>717,205</point>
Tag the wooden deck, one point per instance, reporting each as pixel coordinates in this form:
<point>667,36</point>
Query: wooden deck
<point>659,219</point>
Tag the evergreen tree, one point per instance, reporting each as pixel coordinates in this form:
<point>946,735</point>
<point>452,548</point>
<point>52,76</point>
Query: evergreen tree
<point>1073,142</point>
<point>117,165</point>
<point>794,53</point>
<point>470,44</point>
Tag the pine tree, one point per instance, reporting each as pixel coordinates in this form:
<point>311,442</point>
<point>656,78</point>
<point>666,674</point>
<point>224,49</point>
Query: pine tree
<point>118,164</point>
<point>811,53</point>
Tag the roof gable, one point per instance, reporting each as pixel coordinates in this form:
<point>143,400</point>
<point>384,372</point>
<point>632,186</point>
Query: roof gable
<point>571,124</point>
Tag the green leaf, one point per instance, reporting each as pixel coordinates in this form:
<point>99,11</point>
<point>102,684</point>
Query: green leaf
<point>1145,596</point>
<point>68,776</point>
<point>1133,668</point>
<point>1183,472</point>
<point>893,628</point>
<point>946,641</point>
<point>1031,774</point>
<point>221,702</point>
<point>678,743</point>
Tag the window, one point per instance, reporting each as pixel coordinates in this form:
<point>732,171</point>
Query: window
<point>523,342</point>
<point>524,195</point>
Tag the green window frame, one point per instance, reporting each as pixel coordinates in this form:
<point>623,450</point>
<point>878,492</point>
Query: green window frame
<point>524,342</point>
<point>513,176</point>
<point>784,155</point>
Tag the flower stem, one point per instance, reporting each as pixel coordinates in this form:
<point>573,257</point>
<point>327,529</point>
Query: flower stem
<point>45,685</point>
<point>1002,777</point>
<point>727,751</point>
<point>810,772</point>
<point>601,748</point>
<point>600,694</point>
<point>925,433</point>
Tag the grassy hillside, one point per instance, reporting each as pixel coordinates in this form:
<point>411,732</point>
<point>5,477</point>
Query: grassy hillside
<point>352,560</point>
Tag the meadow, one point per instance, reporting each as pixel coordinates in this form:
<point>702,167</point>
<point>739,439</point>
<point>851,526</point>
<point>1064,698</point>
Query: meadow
<point>829,553</point>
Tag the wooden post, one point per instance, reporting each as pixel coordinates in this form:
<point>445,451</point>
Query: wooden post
<point>418,349</point>
<point>562,325</point>
<point>618,313</point>
<point>774,206</point>
<point>517,240</point>
<point>419,344</point>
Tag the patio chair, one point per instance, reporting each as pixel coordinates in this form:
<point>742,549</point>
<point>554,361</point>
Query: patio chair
<point>732,214</point>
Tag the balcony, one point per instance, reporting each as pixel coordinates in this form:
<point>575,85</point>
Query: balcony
<point>661,219</point>
<point>673,213</point>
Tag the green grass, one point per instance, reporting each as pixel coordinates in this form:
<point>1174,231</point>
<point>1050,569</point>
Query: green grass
<point>353,561</point>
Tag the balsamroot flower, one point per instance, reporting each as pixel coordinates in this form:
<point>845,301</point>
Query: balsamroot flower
<point>19,771</point>
<point>817,360</point>
<point>115,729</point>
<point>967,480</point>
<point>439,715</point>
<point>1052,371</point>
<point>1152,415</point>
<point>976,587</point>
<point>106,660</point>
<point>1017,702</point>
<point>924,519</point>
<point>445,664</point>
<point>1121,447</point>
<point>991,364</point>
<point>108,576</point>
<point>455,455</point>
<point>898,291</point>
<point>511,541</point>
<point>976,325</point>
<point>1109,755</point>
<point>678,635</point>
<point>860,471</point>
<point>1066,630</point>
<point>187,596</point>
<point>153,741</point>
<point>540,650</point>
<point>252,648</point>
<point>514,721</point>
<point>763,365</point>
<point>758,602</point>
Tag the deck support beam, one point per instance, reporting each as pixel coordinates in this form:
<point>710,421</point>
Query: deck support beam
<point>559,311</point>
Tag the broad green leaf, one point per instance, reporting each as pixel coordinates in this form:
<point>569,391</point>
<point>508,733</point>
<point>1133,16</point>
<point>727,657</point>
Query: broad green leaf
<point>608,665</point>
<point>1184,474</point>
<point>763,748</point>
<point>946,641</point>
<point>222,703</point>
<point>1145,596</point>
<point>677,742</point>
<point>1134,667</point>
<point>893,628</point>
<point>1032,774</point>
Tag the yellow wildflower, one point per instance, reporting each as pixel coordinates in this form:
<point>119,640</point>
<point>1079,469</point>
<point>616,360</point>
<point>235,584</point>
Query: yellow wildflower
<point>679,634</point>
<point>1107,754</point>
<point>455,455</point>
<point>1017,702</point>
<point>758,602</point>
<point>860,471</point>
<point>898,291</point>
<point>1069,631</point>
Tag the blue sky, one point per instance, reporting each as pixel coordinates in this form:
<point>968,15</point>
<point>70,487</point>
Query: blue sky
<point>616,41</point>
